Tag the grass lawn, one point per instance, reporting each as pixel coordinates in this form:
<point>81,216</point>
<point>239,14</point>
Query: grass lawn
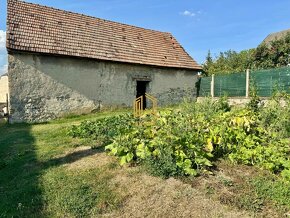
<point>46,173</point>
<point>34,180</point>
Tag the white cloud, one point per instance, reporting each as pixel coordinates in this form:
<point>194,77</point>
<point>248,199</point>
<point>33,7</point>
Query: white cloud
<point>3,69</point>
<point>188,13</point>
<point>2,39</point>
<point>3,53</point>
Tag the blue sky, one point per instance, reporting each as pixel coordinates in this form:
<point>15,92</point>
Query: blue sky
<point>218,25</point>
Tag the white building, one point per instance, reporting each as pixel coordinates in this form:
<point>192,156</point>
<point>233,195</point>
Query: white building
<point>3,88</point>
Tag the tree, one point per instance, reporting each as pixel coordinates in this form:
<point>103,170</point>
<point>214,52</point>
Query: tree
<point>208,62</point>
<point>271,55</point>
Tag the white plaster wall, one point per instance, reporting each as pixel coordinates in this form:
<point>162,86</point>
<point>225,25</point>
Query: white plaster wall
<point>3,88</point>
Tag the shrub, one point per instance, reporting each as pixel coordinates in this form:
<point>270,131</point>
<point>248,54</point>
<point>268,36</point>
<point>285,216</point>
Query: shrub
<point>164,165</point>
<point>276,115</point>
<point>103,130</point>
<point>255,101</point>
<point>187,140</point>
<point>155,138</point>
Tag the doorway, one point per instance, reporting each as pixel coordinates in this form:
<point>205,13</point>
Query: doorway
<point>141,90</point>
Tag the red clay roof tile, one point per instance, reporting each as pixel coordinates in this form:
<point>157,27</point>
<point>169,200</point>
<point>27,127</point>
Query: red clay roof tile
<point>42,29</point>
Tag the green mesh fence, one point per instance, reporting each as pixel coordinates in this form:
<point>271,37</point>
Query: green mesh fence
<point>234,85</point>
<point>204,88</point>
<point>267,81</point>
<point>230,85</point>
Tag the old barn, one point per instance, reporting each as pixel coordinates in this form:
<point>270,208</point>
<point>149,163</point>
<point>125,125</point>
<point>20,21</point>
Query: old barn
<point>63,62</point>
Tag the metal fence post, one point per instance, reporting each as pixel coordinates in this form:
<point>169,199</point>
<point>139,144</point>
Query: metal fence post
<point>247,83</point>
<point>212,86</point>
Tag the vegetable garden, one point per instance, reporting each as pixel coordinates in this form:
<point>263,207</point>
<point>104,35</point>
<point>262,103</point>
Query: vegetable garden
<point>187,140</point>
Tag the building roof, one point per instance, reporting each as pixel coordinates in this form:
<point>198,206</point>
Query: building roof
<point>41,29</point>
<point>275,36</point>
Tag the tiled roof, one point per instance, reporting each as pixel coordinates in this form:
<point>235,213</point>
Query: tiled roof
<point>36,28</point>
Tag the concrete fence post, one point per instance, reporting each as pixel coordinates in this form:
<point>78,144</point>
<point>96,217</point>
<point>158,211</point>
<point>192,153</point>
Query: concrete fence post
<point>212,86</point>
<point>247,83</point>
<point>7,108</point>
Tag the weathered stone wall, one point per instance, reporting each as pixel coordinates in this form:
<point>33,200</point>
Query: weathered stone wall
<point>3,88</point>
<point>45,87</point>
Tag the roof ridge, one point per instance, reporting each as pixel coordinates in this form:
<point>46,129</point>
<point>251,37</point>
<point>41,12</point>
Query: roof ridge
<point>274,36</point>
<point>89,16</point>
<point>286,30</point>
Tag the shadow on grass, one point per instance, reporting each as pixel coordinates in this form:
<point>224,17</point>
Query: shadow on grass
<point>19,191</point>
<point>72,157</point>
<point>20,171</point>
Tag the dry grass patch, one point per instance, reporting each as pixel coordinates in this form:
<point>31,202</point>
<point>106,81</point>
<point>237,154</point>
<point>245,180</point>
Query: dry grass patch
<point>142,195</point>
<point>233,185</point>
<point>147,196</point>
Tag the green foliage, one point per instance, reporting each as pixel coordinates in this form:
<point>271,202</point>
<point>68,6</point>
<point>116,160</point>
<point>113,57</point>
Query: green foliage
<point>275,190</point>
<point>229,62</point>
<point>163,165</point>
<point>207,107</point>
<point>274,54</point>
<point>265,142</point>
<point>255,101</point>
<point>167,133</point>
<point>187,140</point>
<point>102,130</point>
<point>276,119</point>
<point>222,104</point>
<point>271,55</point>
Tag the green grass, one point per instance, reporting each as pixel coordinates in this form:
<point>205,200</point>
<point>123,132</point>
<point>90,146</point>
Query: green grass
<point>33,180</point>
<point>78,194</point>
<point>274,190</point>
<point>260,192</point>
